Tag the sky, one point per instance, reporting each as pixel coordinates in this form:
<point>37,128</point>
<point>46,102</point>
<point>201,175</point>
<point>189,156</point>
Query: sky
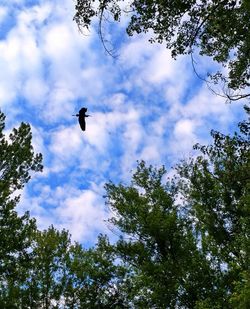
<point>144,105</point>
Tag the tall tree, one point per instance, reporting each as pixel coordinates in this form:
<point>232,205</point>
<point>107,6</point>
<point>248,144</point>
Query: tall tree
<point>158,243</point>
<point>48,273</point>
<point>216,188</point>
<point>187,240</point>
<point>216,28</point>
<point>95,278</point>
<point>17,161</point>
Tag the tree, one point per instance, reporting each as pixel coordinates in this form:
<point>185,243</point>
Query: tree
<point>47,276</point>
<point>158,243</point>
<point>65,275</point>
<point>216,28</point>
<point>95,278</point>
<point>43,269</point>
<point>17,161</point>
<point>184,242</point>
<point>216,187</point>
<point>187,240</point>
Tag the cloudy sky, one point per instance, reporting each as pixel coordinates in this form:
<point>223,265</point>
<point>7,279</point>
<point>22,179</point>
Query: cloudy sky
<point>144,105</point>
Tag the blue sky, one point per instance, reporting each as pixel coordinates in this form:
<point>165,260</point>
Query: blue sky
<point>144,105</point>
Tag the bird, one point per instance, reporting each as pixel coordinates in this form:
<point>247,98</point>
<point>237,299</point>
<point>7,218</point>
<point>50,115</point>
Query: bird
<point>81,117</point>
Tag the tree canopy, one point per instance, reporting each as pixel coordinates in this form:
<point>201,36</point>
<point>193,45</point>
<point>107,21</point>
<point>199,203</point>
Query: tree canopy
<point>17,161</point>
<point>184,241</point>
<point>188,238</point>
<point>216,28</point>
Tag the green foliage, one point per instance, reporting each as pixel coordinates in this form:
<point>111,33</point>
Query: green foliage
<point>193,253</point>
<point>17,161</point>
<point>95,280</point>
<point>184,242</point>
<point>47,274</point>
<point>241,296</point>
<point>216,189</point>
<point>220,29</point>
<point>158,242</point>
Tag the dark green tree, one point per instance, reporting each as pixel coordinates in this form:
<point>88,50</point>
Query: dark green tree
<point>158,243</point>
<point>95,278</point>
<point>43,269</point>
<point>48,272</point>
<point>216,188</point>
<point>184,242</point>
<point>216,28</point>
<point>187,240</point>
<point>17,161</point>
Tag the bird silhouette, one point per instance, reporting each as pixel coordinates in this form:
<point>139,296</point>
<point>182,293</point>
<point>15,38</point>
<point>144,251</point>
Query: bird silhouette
<point>81,117</point>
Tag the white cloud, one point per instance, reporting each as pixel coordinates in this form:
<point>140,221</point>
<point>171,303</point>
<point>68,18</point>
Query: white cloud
<point>83,215</point>
<point>81,212</point>
<point>152,66</point>
<point>160,67</point>
<point>20,60</point>
<point>66,142</point>
<point>151,153</point>
<point>57,43</point>
<point>204,103</point>
<point>9,70</point>
<point>139,48</point>
<point>41,59</point>
<point>143,105</point>
<point>184,127</point>
<point>35,90</point>
<point>3,13</point>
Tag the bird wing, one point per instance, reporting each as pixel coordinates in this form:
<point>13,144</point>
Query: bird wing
<point>82,122</point>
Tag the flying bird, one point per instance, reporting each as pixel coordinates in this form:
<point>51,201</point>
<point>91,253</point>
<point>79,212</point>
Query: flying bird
<point>81,117</point>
